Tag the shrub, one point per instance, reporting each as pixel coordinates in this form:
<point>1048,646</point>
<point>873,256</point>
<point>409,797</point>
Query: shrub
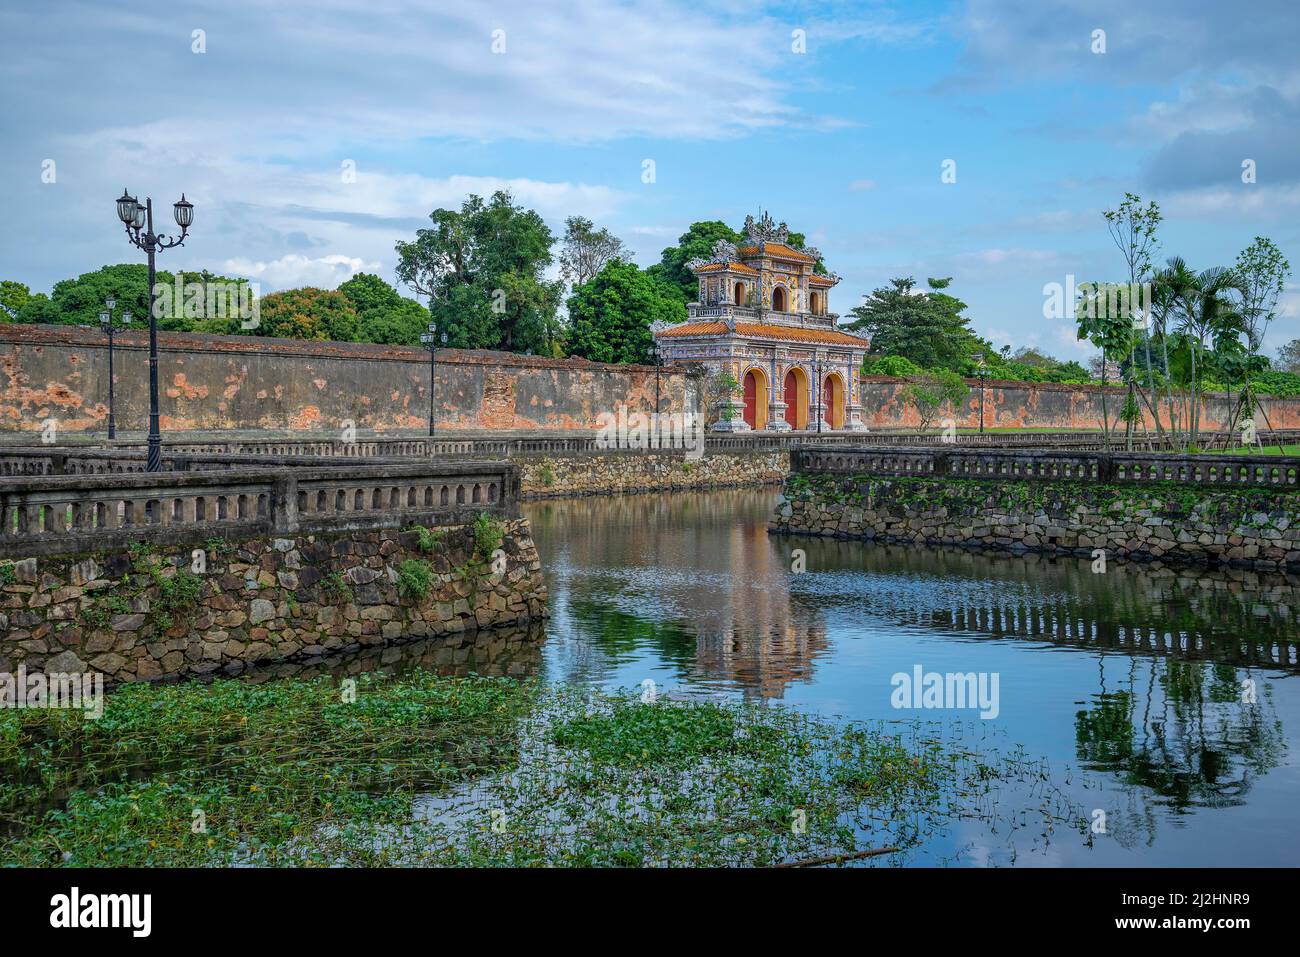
<point>414,579</point>
<point>335,589</point>
<point>891,365</point>
<point>427,539</point>
<point>488,535</point>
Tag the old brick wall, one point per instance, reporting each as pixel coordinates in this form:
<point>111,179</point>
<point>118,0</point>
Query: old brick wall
<point>238,382</point>
<point>245,383</point>
<point>1048,405</point>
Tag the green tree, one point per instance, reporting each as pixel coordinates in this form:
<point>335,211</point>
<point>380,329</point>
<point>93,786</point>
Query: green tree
<point>926,327</point>
<point>481,267</point>
<point>79,301</point>
<point>1288,356</point>
<point>383,314</point>
<point>932,392</point>
<point>13,297</point>
<point>1132,227</point>
<point>1262,271</point>
<point>309,313</point>
<point>585,250</point>
<point>696,243</point>
<point>610,316</point>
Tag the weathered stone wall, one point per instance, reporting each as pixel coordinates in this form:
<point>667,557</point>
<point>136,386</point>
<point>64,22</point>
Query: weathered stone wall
<point>146,614</point>
<point>1049,405</point>
<point>1171,522</point>
<point>240,382</point>
<point>596,473</point>
<point>225,383</point>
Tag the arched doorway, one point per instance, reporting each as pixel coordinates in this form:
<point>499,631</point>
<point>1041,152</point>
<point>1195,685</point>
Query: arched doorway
<point>833,401</point>
<point>756,399</point>
<point>780,299</point>
<point>796,398</point>
<point>740,293</point>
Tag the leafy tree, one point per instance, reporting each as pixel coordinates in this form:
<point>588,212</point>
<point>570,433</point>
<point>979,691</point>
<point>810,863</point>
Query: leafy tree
<point>696,242</point>
<point>934,391</point>
<point>13,297</point>
<point>1071,372</point>
<point>926,327</point>
<point>481,268</point>
<point>39,308</point>
<point>79,301</point>
<point>1029,356</point>
<point>890,365</point>
<point>584,250</point>
<point>610,316</point>
<point>1288,356</point>
<point>309,313</point>
<point>1132,227</point>
<point>383,314</point>
<point>1262,271</point>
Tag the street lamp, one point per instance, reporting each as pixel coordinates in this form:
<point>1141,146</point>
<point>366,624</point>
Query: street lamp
<point>981,370</point>
<point>107,324</point>
<point>138,220</point>
<point>432,340</point>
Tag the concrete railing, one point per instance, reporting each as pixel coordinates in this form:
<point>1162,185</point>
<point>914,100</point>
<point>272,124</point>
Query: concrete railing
<point>1281,472</point>
<point>53,514</point>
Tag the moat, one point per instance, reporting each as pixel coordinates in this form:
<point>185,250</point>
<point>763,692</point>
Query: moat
<point>1129,685</point>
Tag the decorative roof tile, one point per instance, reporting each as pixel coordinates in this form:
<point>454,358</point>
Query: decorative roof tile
<point>727,267</point>
<point>779,250</point>
<point>760,330</point>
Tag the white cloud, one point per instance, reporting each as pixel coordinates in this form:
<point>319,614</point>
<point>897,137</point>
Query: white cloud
<point>324,272</point>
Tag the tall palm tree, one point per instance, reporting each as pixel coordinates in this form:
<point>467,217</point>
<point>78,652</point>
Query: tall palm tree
<point>1205,309</point>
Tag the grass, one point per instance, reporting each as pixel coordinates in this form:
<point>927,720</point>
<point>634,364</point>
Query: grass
<point>424,770</point>
<point>1255,450</point>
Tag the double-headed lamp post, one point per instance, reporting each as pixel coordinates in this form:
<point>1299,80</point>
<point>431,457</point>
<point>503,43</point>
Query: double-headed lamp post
<point>432,339</point>
<point>107,323</point>
<point>981,370</point>
<point>139,230</point>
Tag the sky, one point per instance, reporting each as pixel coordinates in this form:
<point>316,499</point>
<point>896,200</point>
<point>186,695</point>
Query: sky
<point>312,136</point>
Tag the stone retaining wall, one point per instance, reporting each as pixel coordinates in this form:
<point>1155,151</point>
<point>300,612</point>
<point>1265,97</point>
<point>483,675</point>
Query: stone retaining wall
<point>172,610</point>
<point>546,476</point>
<point>1256,527</point>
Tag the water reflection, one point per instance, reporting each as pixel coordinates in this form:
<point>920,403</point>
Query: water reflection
<point>1164,686</point>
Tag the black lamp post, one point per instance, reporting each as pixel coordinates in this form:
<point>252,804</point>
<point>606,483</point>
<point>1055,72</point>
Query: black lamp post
<point>432,340</point>
<point>981,370</point>
<point>107,324</point>
<point>139,230</point>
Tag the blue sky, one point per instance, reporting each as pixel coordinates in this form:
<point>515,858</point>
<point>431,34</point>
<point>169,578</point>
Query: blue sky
<point>845,141</point>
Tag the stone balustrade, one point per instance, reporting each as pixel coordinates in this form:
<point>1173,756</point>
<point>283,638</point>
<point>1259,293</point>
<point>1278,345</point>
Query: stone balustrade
<point>79,458</point>
<point>1245,471</point>
<point>56,514</point>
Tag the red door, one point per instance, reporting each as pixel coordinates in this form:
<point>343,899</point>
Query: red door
<point>751,399</point>
<point>829,400</point>
<point>792,399</point>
